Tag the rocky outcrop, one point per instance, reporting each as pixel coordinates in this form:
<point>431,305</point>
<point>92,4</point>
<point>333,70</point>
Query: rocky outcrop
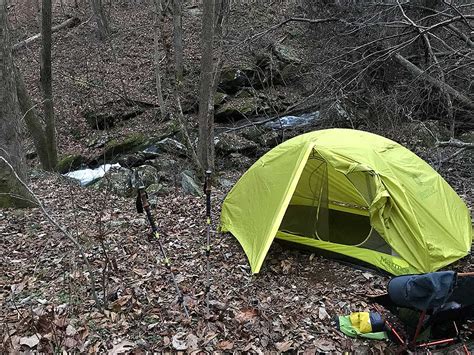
<point>108,114</point>
<point>232,143</point>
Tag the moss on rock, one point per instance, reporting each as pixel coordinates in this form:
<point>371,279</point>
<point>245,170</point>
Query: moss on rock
<point>70,162</point>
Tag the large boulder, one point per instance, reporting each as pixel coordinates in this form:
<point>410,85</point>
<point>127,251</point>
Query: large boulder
<point>234,79</point>
<point>286,54</point>
<point>70,162</point>
<point>130,144</point>
<point>189,184</point>
<point>119,180</point>
<point>239,108</point>
<point>232,143</point>
<point>108,114</point>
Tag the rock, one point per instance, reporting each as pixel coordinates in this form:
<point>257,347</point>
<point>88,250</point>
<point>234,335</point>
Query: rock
<point>220,98</point>
<point>189,185</point>
<point>148,174</point>
<point>97,142</point>
<point>286,54</point>
<point>238,109</point>
<point>252,133</point>
<point>240,161</point>
<point>108,114</point>
<point>166,166</point>
<point>246,92</point>
<point>172,146</point>
<point>225,183</point>
<point>31,154</point>
<point>232,79</point>
<point>132,160</point>
<point>70,162</point>
<point>269,139</point>
<point>117,181</point>
<point>232,143</point>
<point>130,144</point>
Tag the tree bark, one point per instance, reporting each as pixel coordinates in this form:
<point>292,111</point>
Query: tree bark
<point>12,193</point>
<point>178,40</point>
<point>46,84</point>
<point>206,122</point>
<point>156,56</point>
<point>417,72</point>
<point>100,19</point>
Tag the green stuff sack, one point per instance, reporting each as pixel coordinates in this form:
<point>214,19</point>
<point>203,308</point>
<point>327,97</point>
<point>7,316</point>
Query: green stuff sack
<point>363,324</point>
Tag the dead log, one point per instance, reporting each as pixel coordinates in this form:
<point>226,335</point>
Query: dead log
<point>69,23</point>
<point>456,143</point>
<point>417,72</point>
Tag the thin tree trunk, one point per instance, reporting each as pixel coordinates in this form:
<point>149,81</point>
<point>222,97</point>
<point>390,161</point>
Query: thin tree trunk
<point>206,123</point>
<point>178,40</point>
<point>46,84</point>
<point>100,19</point>
<point>156,55</point>
<point>12,193</point>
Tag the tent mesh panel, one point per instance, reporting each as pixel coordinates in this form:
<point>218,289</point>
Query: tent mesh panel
<point>309,213</point>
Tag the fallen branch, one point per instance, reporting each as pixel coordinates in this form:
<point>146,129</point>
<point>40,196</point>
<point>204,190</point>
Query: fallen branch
<point>417,72</point>
<point>69,23</point>
<point>455,154</point>
<point>456,143</point>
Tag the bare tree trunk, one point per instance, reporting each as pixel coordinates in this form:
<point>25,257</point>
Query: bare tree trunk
<point>46,84</point>
<point>100,19</point>
<point>156,55</point>
<point>178,40</point>
<point>206,122</point>
<point>12,193</point>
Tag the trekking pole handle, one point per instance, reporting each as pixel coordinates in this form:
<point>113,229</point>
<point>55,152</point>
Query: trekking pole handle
<point>207,189</point>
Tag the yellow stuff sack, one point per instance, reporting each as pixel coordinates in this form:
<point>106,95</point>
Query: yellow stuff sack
<point>361,321</point>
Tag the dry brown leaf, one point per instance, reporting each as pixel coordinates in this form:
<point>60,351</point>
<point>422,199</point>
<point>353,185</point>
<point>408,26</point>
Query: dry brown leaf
<point>30,341</point>
<point>246,314</point>
<point>122,347</point>
<point>284,345</point>
<point>178,342</point>
<point>225,345</point>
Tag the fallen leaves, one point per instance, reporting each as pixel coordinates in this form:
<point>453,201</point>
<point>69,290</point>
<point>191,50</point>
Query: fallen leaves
<point>30,341</point>
<point>246,315</point>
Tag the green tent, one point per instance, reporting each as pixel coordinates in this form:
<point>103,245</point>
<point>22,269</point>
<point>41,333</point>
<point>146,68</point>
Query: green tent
<point>352,193</point>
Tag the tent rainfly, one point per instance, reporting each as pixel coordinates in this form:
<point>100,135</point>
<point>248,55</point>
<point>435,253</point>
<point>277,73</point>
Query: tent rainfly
<point>352,193</point>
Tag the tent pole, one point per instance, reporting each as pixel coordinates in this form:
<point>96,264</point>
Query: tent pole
<point>207,190</point>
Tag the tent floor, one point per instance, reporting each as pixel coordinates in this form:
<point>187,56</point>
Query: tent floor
<point>342,227</point>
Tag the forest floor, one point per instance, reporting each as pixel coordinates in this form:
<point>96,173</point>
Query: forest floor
<point>45,293</point>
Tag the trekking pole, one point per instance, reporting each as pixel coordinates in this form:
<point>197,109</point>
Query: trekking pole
<point>144,205</point>
<point>207,190</point>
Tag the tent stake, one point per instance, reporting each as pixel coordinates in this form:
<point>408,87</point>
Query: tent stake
<point>143,204</point>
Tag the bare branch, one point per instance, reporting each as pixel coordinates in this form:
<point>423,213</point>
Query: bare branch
<point>456,143</point>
